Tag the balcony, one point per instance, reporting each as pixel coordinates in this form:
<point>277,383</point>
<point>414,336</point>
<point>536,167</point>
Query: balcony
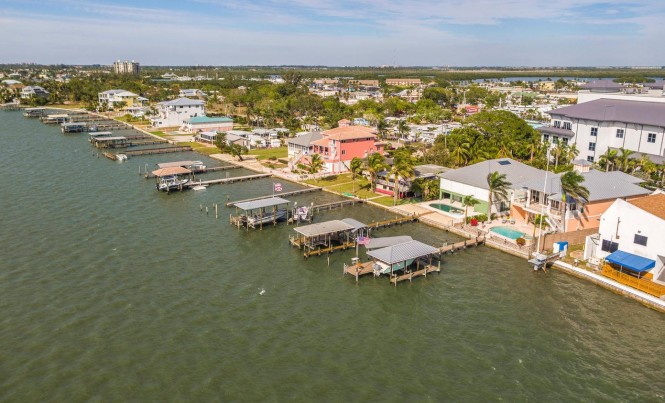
<point>537,208</point>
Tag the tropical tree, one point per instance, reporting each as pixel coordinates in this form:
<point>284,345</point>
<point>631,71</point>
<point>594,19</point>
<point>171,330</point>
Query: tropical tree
<point>315,164</point>
<point>237,150</point>
<point>623,159</point>
<point>375,164</point>
<point>459,150</point>
<point>221,143</point>
<point>382,128</point>
<point>402,128</point>
<point>402,169</point>
<point>468,201</point>
<point>572,190</point>
<point>498,187</point>
<point>608,159</point>
<point>356,170</point>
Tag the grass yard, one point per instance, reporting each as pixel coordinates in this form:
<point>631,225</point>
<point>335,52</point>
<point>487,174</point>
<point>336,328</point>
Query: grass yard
<point>384,200</point>
<point>267,153</point>
<point>159,133</point>
<point>330,180</point>
<point>200,148</point>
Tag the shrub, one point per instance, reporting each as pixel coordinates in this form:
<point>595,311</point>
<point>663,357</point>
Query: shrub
<point>520,241</point>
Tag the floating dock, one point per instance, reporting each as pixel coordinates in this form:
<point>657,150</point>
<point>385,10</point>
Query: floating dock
<point>479,240</point>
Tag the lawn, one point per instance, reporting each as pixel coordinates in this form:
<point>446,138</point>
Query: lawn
<point>384,200</point>
<point>159,133</point>
<point>331,180</point>
<point>362,189</point>
<point>201,148</point>
<point>267,153</point>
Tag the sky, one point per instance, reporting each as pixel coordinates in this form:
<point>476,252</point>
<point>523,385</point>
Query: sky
<point>335,32</point>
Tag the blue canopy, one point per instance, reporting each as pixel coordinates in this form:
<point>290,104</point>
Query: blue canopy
<point>630,261</point>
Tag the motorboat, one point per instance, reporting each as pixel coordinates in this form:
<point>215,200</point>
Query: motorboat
<point>121,157</point>
<point>171,182</point>
<point>267,217</point>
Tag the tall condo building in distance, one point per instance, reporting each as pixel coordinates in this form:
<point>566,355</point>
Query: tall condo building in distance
<point>126,67</point>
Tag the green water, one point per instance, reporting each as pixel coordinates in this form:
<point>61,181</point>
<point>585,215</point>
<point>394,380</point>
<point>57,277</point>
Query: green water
<point>111,291</point>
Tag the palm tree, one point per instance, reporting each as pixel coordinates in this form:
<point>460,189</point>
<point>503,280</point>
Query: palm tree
<point>356,170</point>
<point>375,164</point>
<point>498,188</point>
<point>468,201</point>
<point>460,152</point>
<point>402,128</point>
<point>382,127</point>
<point>607,159</point>
<point>315,164</point>
<point>622,159</point>
<point>401,169</point>
<point>572,189</point>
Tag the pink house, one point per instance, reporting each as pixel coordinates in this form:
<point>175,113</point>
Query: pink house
<point>340,145</point>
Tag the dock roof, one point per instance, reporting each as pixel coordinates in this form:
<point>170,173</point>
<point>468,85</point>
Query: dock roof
<point>377,243</point>
<point>171,171</point>
<point>402,252</point>
<point>254,204</point>
<point>104,139</point>
<point>323,228</point>
<point>355,223</point>
<point>177,164</point>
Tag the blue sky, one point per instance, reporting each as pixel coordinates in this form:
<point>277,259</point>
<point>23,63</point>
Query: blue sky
<point>335,32</point>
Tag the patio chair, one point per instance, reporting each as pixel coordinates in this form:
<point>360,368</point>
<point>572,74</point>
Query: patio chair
<point>503,220</point>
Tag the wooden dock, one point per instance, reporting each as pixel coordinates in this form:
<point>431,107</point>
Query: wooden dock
<point>229,180</point>
<point>160,150</point>
<point>11,106</point>
<point>337,204</point>
<point>359,269</point>
<point>467,243</point>
<point>330,249</point>
<point>281,194</point>
<point>417,273</point>
<point>392,222</point>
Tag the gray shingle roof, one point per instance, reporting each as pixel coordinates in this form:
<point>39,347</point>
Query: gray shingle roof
<point>402,252</point>
<point>476,174</point>
<point>183,102</point>
<point>616,110</point>
<point>306,139</point>
<point>601,185</point>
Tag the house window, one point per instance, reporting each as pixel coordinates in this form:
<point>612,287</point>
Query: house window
<point>589,158</point>
<point>592,146</point>
<point>594,131</point>
<point>564,140</point>
<point>640,240</point>
<point>557,123</point>
<point>555,139</point>
<point>546,137</point>
<point>567,125</point>
<point>609,246</point>
<point>343,152</point>
<point>619,133</point>
<point>651,138</point>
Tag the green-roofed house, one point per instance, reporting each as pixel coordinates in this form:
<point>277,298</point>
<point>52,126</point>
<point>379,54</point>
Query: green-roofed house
<point>198,124</point>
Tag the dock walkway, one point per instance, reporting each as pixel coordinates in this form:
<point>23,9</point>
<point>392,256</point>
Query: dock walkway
<point>417,273</point>
<point>229,180</point>
<point>337,204</point>
<point>282,194</point>
<point>479,240</point>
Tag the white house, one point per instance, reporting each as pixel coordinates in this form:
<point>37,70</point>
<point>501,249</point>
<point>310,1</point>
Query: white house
<point>302,144</point>
<point>191,93</point>
<point>111,98</point>
<point>33,91</point>
<point>199,124</point>
<point>177,112</point>
<point>633,232</point>
<point>597,125</point>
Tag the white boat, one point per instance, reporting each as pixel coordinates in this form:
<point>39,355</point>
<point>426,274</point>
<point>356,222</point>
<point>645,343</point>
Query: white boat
<point>199,187</point>
<point>171,182</point>
<point>302,213</point>
<point>268,217</point>
<point>121,157</point>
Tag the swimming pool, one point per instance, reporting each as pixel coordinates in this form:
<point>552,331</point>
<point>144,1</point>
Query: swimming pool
<point>510,232</point>
<point>447,208</point>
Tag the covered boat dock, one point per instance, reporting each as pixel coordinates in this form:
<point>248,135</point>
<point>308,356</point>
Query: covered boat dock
<point>111,142</point>
<point>401,261</point>
<point>254,214</point>
<point>327,237</point>
<point>74,127</point>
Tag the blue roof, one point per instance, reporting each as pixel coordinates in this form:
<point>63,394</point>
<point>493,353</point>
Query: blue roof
<point>207,119</point>
<point>630,261</point>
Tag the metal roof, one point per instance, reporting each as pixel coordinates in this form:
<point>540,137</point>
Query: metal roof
<point>306,139</point>
<point>476,174</point>
<point>103,139</point>
<point>171,171</point>
<point>355,223</point>
<point>402,252</point>
<point>322,228</point>
<point>177,164</point>
<point>255,204</point>
<point>376,243</point>
<point>616,110</point>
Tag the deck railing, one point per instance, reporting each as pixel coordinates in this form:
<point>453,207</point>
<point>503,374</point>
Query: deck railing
<point>641,284</point>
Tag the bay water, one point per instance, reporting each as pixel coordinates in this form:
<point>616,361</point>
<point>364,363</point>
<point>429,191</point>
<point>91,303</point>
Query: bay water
<point>112,291</point>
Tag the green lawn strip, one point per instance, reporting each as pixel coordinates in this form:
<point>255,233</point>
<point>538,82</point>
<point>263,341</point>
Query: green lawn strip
<point>200,148</point>
<point>331,180</point>
<point>159,133</point>
<point>267,153</point>
<point>385,201</point>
